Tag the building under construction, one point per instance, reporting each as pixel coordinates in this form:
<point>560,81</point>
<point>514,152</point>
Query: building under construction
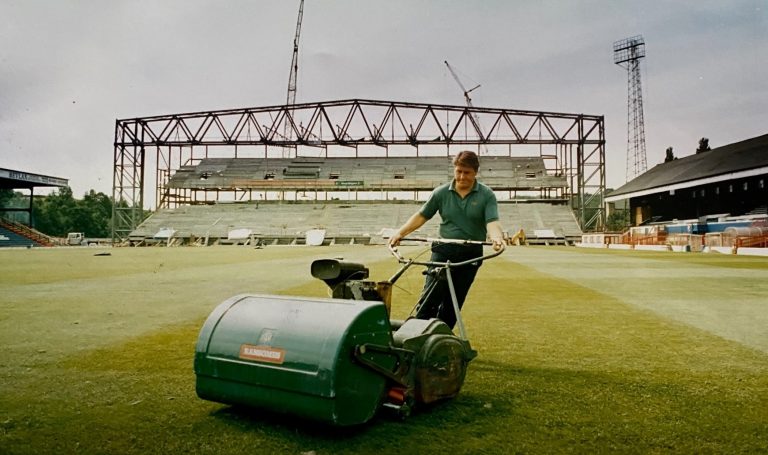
<point>277,171</point>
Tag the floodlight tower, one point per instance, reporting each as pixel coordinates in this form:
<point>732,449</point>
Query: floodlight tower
<point>627,54</point>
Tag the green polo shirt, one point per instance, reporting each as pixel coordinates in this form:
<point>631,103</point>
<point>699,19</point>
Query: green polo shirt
<point>465,218</point>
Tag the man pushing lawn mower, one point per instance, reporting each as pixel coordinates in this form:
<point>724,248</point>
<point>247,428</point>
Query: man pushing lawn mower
<point>469,212</point>
<point>340,360</point>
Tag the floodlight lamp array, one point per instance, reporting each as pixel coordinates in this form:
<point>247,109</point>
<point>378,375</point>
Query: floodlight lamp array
<point>628,49</point>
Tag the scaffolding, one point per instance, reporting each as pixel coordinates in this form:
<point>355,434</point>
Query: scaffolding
<point>572,145</point>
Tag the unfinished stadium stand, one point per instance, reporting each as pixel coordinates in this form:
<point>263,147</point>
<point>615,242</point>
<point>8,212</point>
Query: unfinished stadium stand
<point>380,172</point>
<point>360,222</point>
<point>344,222</point>
<point>275,223</point>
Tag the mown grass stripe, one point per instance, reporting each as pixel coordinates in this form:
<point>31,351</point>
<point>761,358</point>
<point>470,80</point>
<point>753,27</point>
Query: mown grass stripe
<point>562,367</point>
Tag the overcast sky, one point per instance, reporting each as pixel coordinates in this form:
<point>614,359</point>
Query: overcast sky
<point>68,69</point>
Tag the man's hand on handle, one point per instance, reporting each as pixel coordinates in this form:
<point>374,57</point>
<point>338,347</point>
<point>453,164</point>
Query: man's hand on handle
<point>416,221</point>
<point>395,239</point>
<point>496,235</point>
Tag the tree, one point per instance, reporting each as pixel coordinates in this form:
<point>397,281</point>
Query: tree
<point>5,196</point>
<point>17,202</point>
<point>617,221</point>
<point>670,155</point>
<point>54,213</point>
<point>703,145</point>
<point>60,213</point>
<point>94,213</point>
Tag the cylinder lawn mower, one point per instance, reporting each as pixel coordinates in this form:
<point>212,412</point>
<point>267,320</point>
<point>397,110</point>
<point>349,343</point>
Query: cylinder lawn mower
<point>337,360</point>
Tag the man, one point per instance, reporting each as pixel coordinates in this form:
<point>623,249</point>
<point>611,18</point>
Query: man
<point>469,211</point>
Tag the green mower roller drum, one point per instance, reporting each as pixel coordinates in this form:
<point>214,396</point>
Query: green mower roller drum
<point>294,355</point>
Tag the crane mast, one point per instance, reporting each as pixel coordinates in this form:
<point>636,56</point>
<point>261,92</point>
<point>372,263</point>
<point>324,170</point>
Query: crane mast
<point>291,98</point>
<point>468,101</point>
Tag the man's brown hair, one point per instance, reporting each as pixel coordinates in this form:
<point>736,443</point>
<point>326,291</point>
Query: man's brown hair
<point>467,159</point>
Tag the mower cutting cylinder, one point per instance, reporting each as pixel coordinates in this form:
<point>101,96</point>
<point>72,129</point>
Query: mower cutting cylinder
<point>293,355</point>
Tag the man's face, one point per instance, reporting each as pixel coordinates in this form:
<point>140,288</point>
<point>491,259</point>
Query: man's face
<point>464,176</point>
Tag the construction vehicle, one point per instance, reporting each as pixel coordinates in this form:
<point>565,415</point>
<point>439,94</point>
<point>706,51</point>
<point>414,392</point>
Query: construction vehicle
<point>79,239</point>
<point>75,238</point>
<point>337,360</point>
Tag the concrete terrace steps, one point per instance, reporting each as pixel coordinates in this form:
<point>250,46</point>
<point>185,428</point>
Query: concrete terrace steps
<point>340,219</point>
<point>278,219</point>
<point>497,171</point>
<point>558,219</point>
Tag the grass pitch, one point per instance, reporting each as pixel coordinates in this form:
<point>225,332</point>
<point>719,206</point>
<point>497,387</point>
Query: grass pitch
<point>580,351</point>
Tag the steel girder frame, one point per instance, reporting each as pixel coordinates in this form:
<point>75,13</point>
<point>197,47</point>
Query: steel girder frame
<point>590,173</point>
<point>127,181</point>
<point>179,139</point>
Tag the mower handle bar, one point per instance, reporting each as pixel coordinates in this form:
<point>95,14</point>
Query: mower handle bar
<point>410,262</point>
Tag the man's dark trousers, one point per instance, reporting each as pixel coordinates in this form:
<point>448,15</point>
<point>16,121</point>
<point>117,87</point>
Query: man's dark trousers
<point>435,300</point>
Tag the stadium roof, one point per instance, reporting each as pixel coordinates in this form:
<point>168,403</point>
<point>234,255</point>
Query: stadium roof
<point>10,179</point>
<point>738,160</point>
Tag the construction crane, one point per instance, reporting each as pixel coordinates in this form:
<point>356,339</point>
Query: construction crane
<point>468,100</point>
<point>291,99</point>
<point>458,81</point>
